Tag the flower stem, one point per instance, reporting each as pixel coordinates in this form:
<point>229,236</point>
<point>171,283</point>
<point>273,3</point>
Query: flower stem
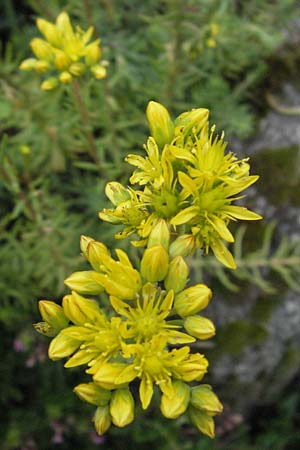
<point>92,149</point>
<point>88,10</point>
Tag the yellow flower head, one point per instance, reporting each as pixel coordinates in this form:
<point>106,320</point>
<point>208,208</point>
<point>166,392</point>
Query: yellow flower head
<point>187,186</point>
<point>64,52</point>
<point>133,340</point>
<point>188,180</point>
<point>155,365</point>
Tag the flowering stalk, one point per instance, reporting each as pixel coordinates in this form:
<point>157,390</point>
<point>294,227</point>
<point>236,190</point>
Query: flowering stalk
<point>187,185</point>
<point>66,56</point>
<point>84,114</point>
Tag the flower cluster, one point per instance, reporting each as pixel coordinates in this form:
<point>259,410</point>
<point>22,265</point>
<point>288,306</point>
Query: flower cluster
<point>143,336</point>
<point>186,179</point>
<point>64,54</point>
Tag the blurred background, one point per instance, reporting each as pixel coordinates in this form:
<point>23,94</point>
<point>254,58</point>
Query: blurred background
<point>240,59</point>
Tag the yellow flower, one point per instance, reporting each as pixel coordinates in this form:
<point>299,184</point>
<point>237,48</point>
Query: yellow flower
<point>191,181</point>
<point>153,364</point>
<point>65,50</point>
<point>116,277</point>
<point>187,189</point>
<point>212,180</point>
<point>130,212</point>
<point>147,318</point>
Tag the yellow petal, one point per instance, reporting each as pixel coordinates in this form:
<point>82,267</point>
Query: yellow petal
<point>202,421</point>
<point>122,407</point>
<point>221,228</point>
<point>185,215</point>
<point>146,392</point>
<point>223,254</point>
<point>241,213</point>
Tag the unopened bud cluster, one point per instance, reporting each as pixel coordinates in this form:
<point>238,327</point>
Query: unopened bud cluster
<point>64,54</point>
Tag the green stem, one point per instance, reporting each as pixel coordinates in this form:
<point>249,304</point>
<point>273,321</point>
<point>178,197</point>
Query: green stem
<point>92,149</point>
<point>291,111</point>
<point>171,441</point>
<point>272,262</point>
<point>176,49</point>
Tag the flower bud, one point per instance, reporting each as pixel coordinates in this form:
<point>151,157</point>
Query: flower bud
<point>116,193</point>
<point>61,60</point>
<point>41,49</point>
<point>155,264</point>
<point>193,368</point>
<point>63,24</point>
<point>191,122</point>
<point>50,32</point>
<point>28,64</point>
<point>77,69</point>
<point>211,43</point>
<point>95,253</point>
<point>91,393</point>
<point>84,242</point>
<point>192,300</point>
<point>50,84</point>
<point>42,66</point>
<point>177,276</point>
<point>25,150</point>
<point>202,397</point>
<point>85,282</point>
<point>175,405</point>
<point>80,310</point>
<point>98,71</point>
<point>65,78</point>
<point>199,327</point>
<point>122,407</point>
<point>202,421</point>
<point>62,346</point>
<point>45,329</point>
<point>93,53</point>
<point>184,245</point>
<point>160,234</point>
<point>53,314</point>
<point>122,285</point>
<point>161,125</point>
<point>102,419</point>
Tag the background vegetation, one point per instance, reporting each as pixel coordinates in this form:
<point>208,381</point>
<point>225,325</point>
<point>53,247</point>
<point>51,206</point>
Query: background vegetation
<point>225,55</point>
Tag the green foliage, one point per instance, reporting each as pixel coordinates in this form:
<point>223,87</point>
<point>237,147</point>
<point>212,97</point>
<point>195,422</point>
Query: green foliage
<point>265,265</point>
